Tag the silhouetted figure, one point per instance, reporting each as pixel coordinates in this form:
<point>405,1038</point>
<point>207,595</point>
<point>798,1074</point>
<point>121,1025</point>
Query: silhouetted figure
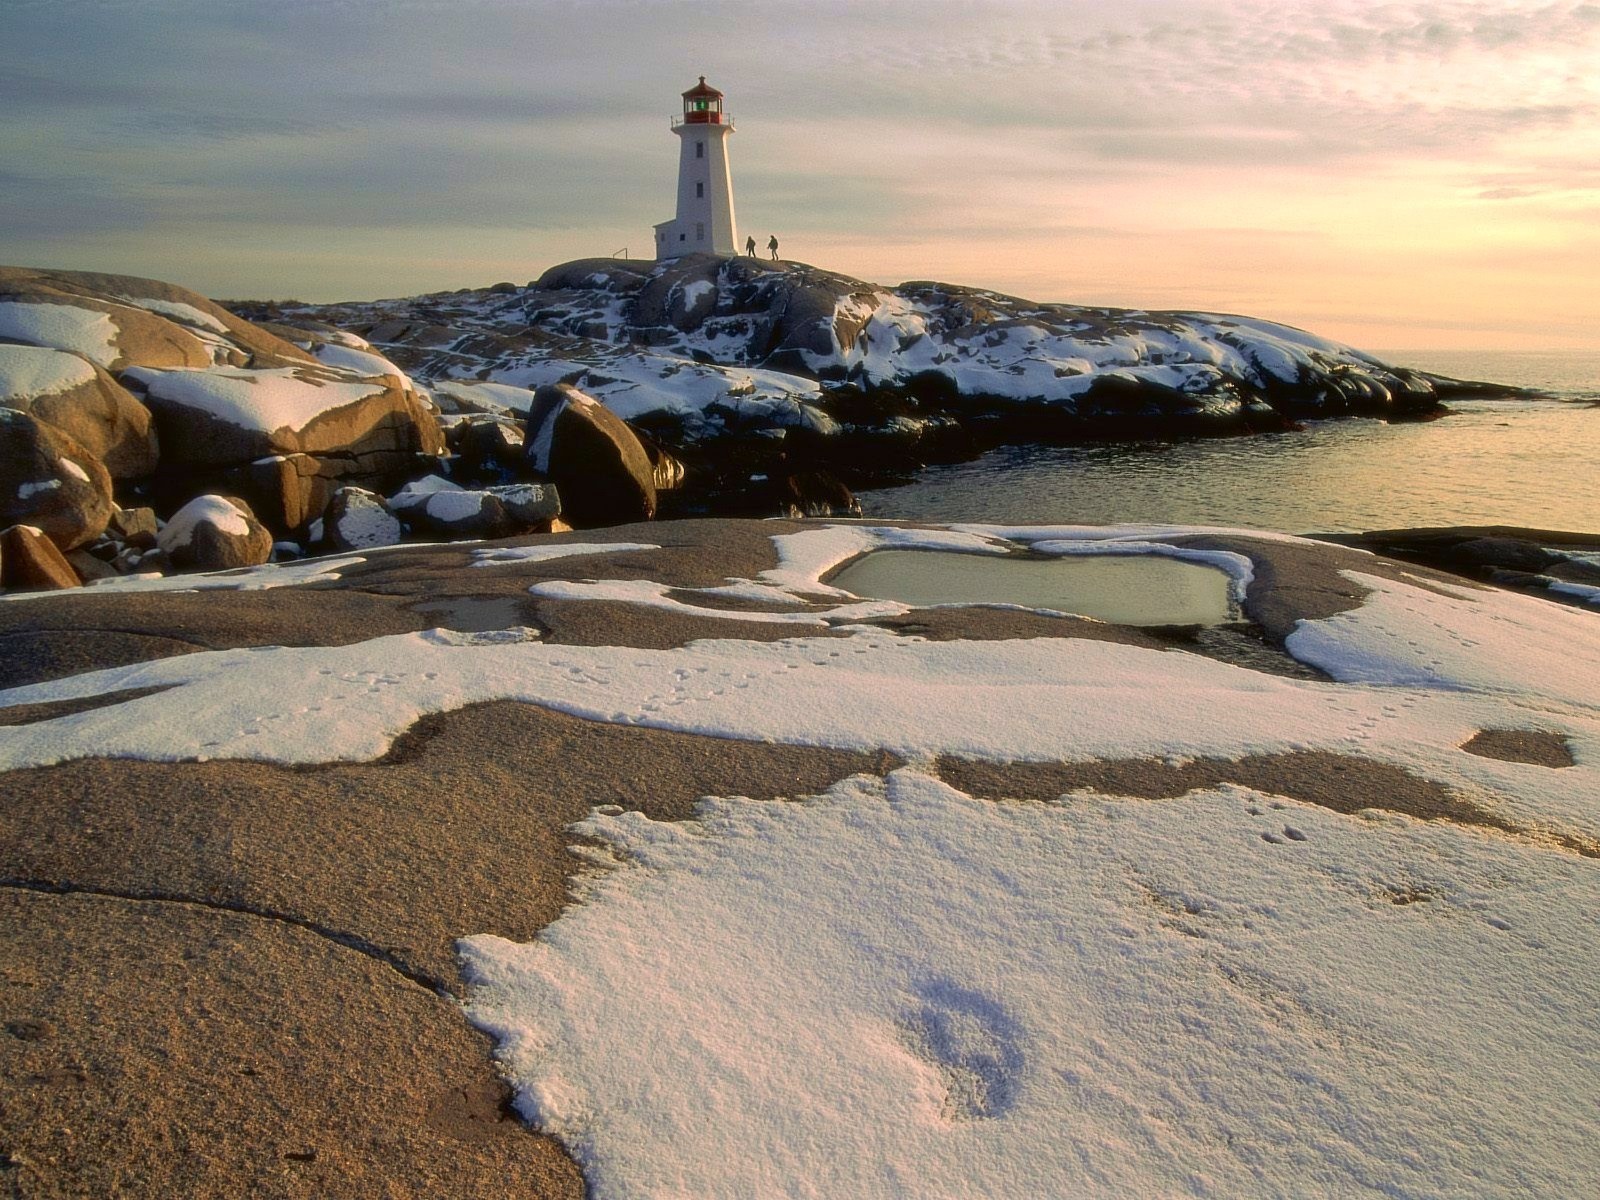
<point>772,244</point>
<point>750,245</point>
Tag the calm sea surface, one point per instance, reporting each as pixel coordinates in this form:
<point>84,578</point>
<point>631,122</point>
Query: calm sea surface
<point>1534,463</point>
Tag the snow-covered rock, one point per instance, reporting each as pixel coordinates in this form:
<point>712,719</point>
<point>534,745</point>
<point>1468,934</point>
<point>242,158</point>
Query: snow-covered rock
<point>215,533</point>
<point>83,400</point>
<point>223,416</point>
<point>358,520</point>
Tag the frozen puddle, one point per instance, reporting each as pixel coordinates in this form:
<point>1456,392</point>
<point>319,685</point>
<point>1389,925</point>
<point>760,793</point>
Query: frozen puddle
<point>1126,589</point>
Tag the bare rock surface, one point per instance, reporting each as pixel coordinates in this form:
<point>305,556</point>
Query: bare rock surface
<point>51,482</point>
<point>232,976</point>
<point>30,561</point>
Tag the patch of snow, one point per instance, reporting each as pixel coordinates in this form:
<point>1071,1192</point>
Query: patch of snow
<point>251,579</point>
<point>417,491</point>
<point>1467,639</point>
<point>495,556</point>
<point>897,990</point>
<point>365,523</point>
<point>452,507</point>
<point>266,400</point>
<point>28,491</point>
<point>656,595</point>
<point>184,314</point>
<point>489,397</point>
<point>82,331</point>
<point>695,290</point>
<point>29,372</point>
<point>1588,593</point>
<point>360,362</point>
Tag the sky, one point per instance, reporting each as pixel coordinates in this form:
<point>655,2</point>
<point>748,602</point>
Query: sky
<point>1396,175</point>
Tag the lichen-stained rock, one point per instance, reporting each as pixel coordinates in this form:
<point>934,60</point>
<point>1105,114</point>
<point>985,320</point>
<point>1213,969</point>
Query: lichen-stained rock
<point>598,465</point>
<point>358,520</point>
<point>215,533</point>
<point>49,481</point>
<point>30,561</point>
<point>83,400</point>
<point>225,416</point>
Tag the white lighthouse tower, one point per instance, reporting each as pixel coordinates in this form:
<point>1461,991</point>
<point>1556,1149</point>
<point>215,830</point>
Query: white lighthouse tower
<point>704,224</point>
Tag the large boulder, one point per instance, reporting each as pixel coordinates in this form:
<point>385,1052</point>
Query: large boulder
<point>81,399</point>
<point>228,416</point>
<point>215,533</point>
<point>598,465</point>
<point>30,561</point>
<point>358,520</point>
<point>50,481</point>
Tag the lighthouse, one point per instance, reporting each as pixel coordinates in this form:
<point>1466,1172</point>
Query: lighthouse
<point>704,224</point>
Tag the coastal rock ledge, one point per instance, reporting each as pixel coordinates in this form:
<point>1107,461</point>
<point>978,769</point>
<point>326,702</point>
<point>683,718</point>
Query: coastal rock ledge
<point>697,386</point>
<point>491,869</point>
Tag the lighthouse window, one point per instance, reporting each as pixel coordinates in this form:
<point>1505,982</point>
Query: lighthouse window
<point>699,149</point>
<point>700,191</point>
<point>699,232</point>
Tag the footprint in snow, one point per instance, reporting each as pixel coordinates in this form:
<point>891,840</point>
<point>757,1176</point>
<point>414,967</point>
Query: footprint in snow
<point>972,1042</point>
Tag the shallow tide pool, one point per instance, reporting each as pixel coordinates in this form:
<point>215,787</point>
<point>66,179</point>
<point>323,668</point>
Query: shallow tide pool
<point>1123,589</point>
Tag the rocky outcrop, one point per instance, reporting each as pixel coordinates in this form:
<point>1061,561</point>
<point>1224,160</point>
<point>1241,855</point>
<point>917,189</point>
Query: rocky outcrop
<point>49,481</point>
<point>737,367</point>
<point>215,533</point>
<point>597,464</point>
<point>227,416</point>
<point>159,387</point>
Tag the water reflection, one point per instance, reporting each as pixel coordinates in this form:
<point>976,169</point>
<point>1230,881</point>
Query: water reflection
<point>1490,462</point>
<point>1125,589</point>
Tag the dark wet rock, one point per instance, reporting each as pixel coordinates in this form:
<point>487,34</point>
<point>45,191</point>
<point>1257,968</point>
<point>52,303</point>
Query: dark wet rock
<point>286,491</point>
<point>90,567</point>
<point>813,494</point>
<point>487,445</point>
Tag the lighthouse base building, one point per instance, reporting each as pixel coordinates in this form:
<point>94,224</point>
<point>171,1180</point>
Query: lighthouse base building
<point>705,223</point>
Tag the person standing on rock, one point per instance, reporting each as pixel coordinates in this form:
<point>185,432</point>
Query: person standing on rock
<point>750,245</point>
<point>772,244</point>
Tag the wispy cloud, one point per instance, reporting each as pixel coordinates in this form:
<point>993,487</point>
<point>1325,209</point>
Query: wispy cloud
<point>1106,129</point>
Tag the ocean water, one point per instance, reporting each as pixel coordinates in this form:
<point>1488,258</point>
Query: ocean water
<point>1522,462</point>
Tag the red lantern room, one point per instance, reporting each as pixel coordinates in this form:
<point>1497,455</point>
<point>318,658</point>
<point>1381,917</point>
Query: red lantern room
<point>702,105</point>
